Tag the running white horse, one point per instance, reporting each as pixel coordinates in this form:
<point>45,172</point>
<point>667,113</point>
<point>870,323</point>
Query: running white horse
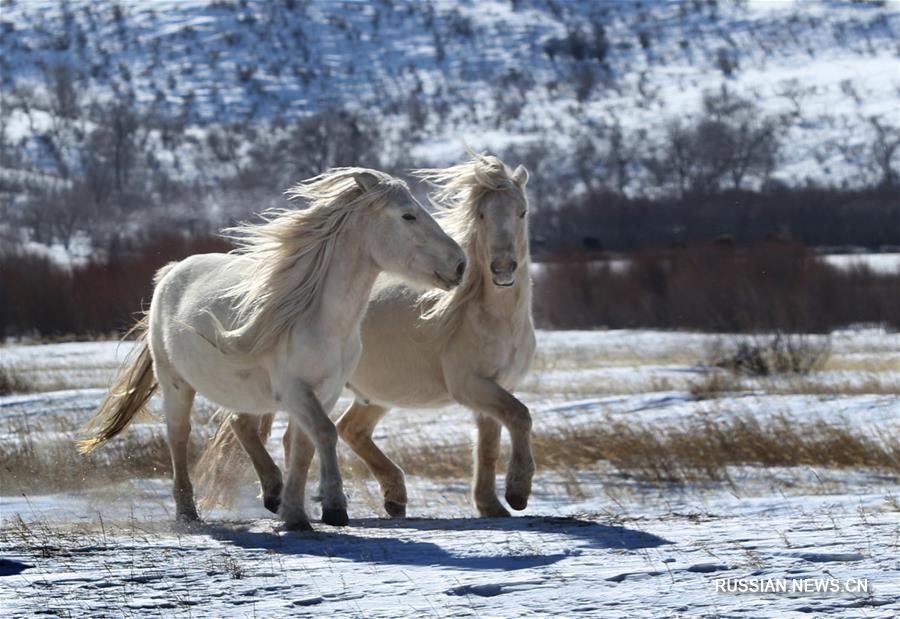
<point>276,324</point>
<point>472,346</point>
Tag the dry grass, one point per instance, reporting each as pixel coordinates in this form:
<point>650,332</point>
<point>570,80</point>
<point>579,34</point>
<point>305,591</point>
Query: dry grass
<point>13,381</point>
<point>702,447</point>
<point>56,465</point>
<point>870,364</point>
<point>869,385</point>
<point>699,448</point>
<point>39,455</point>
<point>717,383</point>
<point>713,385</point>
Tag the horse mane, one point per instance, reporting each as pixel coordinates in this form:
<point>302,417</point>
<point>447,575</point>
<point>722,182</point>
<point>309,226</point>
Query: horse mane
<point>291,251</point>
<point>459,191</point>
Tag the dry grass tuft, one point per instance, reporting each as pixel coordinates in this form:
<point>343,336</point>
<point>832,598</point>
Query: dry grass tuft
<point>13,381</point>
<point>713,385</point>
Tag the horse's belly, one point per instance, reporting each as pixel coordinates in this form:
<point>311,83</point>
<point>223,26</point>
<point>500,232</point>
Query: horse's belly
<point>232,385</point>
<point>252,395</point>
<point>401,389</point>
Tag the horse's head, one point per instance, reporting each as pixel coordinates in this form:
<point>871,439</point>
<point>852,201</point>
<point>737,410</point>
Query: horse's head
<point>503,230</point>
<point>406,240</point>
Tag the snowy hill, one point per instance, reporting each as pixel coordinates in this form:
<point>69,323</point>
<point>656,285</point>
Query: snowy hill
<point>491,72</point>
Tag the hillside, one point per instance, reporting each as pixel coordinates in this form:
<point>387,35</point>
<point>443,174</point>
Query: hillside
<point>491,72</point>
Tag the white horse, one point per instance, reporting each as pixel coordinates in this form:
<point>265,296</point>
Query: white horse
<point>472,346</point>
<point>276,324</point>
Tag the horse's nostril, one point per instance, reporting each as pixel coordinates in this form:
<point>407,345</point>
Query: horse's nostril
<point>513,266</point>
<point>461,269</point>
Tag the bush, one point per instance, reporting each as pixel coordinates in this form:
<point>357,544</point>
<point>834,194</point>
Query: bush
<point>782,353</point>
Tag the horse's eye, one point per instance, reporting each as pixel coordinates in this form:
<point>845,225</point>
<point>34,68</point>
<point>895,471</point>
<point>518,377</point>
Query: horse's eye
<point>409,217</point>
<point>481,215</point>
<point>522,216</point>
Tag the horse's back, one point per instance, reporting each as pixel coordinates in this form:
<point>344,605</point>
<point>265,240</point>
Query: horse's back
<point>193,288</point>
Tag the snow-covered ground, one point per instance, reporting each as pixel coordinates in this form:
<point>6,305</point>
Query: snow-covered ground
<point>592,542</point>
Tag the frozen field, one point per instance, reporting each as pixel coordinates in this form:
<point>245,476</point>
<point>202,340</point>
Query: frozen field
<point>599,538</point>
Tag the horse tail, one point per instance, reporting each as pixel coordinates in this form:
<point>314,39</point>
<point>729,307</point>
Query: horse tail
<point>128,395</point>
<point>224,463</point>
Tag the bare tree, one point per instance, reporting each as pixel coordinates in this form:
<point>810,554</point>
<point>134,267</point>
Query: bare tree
<point>885,148</point>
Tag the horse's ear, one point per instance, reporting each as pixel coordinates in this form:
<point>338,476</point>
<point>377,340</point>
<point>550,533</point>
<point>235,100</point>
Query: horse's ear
<point>365,180</point>
<point>520,176</point>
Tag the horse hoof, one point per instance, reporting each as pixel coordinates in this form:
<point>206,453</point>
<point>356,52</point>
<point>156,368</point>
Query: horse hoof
<point>187,517</point>
<point>394,509</point>
<point>516,501</point>
<point>272,503</point>
<point>336,516</point>
<point>300,525</point>
<point>494,511</point>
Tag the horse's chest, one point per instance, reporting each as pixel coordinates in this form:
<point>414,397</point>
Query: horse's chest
<point>329,372</point>
<point>505,355</point>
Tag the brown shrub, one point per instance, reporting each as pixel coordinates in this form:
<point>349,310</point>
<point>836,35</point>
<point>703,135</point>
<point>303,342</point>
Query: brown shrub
<point>775,286</point>
<point>765,355</point>
<point>39,297</point>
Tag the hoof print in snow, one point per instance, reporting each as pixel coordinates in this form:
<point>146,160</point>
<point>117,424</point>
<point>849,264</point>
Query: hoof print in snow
<point>706,568</point>
<point>485,591</point>
<point>825,557</point>
<point>632,576</point>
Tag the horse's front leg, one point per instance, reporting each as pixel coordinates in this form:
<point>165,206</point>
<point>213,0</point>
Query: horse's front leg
<point>247,430</point>
<point>488,398</point>
<point>313,430</point>
<point>487,450</point>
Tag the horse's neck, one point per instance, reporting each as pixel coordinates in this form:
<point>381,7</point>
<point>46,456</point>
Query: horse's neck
<point>348,282</point>
<point>513,303</point>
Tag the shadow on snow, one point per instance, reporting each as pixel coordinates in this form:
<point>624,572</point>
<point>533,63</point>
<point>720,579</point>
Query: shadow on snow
<point>347,544</point>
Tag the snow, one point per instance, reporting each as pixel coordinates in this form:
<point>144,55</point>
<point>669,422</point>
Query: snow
<point>593,542</point>
<point>879,263</point>
<point>307,58</point>
<point>599,562</point>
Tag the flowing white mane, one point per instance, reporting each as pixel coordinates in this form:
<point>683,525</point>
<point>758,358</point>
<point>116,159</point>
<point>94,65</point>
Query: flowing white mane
<point>459,192</point>
<point>291,251</point>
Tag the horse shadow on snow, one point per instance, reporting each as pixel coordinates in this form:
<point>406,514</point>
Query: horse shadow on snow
<point>486,553</point>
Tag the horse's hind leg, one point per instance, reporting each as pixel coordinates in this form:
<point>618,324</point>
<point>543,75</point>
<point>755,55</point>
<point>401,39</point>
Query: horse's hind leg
<point>356,426</point>
<point>487,450</point>
<point>178,397</point>
<point>246,429</point>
